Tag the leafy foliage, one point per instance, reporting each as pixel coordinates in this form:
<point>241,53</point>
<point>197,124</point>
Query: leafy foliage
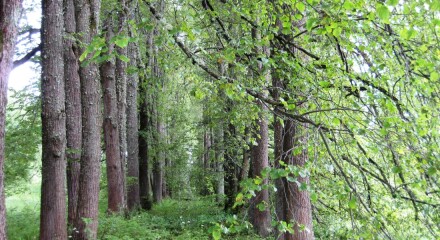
<point>23,136</point>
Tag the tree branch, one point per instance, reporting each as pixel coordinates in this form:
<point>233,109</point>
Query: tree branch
<point>26,57</point>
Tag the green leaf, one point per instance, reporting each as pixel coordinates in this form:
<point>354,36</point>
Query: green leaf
<point>239,197</point>
<point>300,6</point>
<point>124,58</point>
<point>434,76</point>
<point>258,180</point>
<point>352,203</point>
<point>122,42</point>
<point>310,23</point>
<point>348,5</point>
<point>383,13</point>
<point>261,206</point>
<point>324,84</point>
<point>291,179</point>
<point>392,2</point>
<point>83,56</point>
<point>216,234</point>
<point>431,171</point>
<point>396,169</point>
<point>314,197</point>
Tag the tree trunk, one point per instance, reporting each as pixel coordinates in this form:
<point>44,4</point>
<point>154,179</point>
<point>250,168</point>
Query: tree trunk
<point>53,118</point>
<point>87,23</point>
<point>73,111</point>
<point>144,176</point>
<point>298,208</point>
<point>9,16</point>
<point>219,159</point>
<point>121,92</point>
<point>158,173</point>
<point>259,211</point>
<point>230,177</point>
<point>111,130</point>
<point>280,183</point>
<point>244,171</point>
<point>133,198</point>
<point>205,161</point>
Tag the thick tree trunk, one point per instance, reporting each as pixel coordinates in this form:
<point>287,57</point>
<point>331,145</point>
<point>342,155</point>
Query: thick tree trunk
<point>115,182</point>
<point>133,198</point>
<point>87,23</point>
<point>9,16</point>
<point>298,207</point>
<point>73,111</point>
<point>259,211</point>
<point>53,118</point>
<point>121,92</point>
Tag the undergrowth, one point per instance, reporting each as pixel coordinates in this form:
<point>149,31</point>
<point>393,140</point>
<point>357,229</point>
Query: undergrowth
<point>172,219</point>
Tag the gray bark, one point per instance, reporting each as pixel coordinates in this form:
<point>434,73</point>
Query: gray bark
<point>53,196</point>
<point>73,111</point>
<point>87,23</point>
<point>133,198</point>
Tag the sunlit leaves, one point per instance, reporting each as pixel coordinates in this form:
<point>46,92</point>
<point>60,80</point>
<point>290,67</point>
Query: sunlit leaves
<point>383,13</point>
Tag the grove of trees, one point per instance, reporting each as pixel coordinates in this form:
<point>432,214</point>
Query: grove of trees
<point>301,119</point>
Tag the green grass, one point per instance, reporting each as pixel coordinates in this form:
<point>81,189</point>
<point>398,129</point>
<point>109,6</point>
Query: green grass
<point>172,219</point>
<point>23,213</point>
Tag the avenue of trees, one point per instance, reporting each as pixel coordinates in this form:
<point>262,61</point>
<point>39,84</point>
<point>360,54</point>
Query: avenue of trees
<point>305,118</point>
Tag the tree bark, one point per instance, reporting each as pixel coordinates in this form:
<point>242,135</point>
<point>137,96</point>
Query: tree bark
<point>133,198</point>
<point>121,92</point>
<point>73,111</point>
<point>53,200</point>
<point>9,16</point>
<point>87,23</point>
<point>260,219</point>
<point>298,208</point>
<point>111,130</point>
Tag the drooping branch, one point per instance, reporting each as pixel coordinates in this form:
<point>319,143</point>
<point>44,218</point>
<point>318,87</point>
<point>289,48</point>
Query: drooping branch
<point>27,57</point>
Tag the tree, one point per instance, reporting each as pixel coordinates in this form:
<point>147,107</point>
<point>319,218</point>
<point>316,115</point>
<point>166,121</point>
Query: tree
<point>53,200</point>
<point>145,131</point>
<point>73,111</point>
<point>133,197</point>
<point>259,212</point>
<point>9,14</point>
<point>115,184</point>
<point>144,167</point>
<point>121,89</point>
<point>87,24</point>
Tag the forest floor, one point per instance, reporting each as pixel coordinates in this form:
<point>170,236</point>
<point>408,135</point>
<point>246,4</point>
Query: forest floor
<point>172,219</point>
